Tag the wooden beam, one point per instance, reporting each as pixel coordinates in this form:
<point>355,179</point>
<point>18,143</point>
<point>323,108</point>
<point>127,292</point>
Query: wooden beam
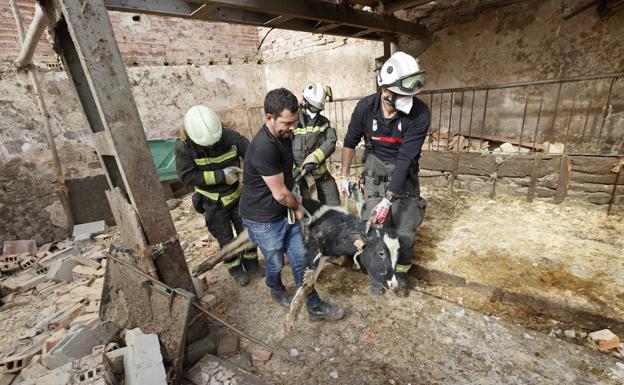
<point>398,5</point>
<point>87,45</point>
<point>534,175</point>
<point>564,179</point>
<point>325,12</point>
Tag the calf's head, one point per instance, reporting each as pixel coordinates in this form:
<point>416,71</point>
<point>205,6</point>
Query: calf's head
<point>380,256</point>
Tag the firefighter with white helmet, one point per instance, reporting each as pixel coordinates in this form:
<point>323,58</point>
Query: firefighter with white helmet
<point>394,124</point>
<point>313,142</point>
<point>208,158</point>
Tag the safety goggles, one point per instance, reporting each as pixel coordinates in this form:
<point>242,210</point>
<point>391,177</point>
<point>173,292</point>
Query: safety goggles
<point>410,83</point>
<point>313,109</point>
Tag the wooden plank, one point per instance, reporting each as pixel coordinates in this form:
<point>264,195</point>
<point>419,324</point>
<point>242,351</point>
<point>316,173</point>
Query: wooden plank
<point>583,177</point>
<point>534,175</point>
<point>91,57</point>
<point>594,164</point>
<point>326,12</point>
<point>127,220</point>
<point>131,300</point>
<point>564,179</point>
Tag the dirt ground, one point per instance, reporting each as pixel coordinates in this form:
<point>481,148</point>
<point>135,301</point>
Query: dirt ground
<point>572,257</point>
<point>428,339</point>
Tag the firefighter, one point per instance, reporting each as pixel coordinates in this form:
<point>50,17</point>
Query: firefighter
<point>313,142</point>
<point>394,124</point>
<point>208,158</point>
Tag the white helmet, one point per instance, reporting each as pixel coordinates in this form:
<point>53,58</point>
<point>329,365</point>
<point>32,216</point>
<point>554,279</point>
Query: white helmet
<point>202,125</point>
<point>315,94</point>
<point>402,74</point>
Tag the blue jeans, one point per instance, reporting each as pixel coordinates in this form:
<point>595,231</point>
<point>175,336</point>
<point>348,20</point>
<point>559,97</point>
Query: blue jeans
<point>274,239</point>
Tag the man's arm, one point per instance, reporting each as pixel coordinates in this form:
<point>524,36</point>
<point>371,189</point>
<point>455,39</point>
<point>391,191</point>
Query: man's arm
<point>282,194</point>
<point>352,138</point>
<point>190,174</point>
<point>267,161</point>
<point>280,191</point>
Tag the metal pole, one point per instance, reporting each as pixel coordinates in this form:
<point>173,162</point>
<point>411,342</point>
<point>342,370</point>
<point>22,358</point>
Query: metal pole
<point>605,112</point>
<point>539,115</point>
<point>487,92</point>
<point>60,188</point>
<point>449,137</point>
<point>552,125</point>
<point>526,104</point>
<point>30,40</point>
<point>470,123</point>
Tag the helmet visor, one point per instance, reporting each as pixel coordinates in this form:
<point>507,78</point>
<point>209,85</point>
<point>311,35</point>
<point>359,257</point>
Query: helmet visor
<point>412,83</point>
<point>312,108</point>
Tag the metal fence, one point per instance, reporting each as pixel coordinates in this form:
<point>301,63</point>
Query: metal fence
<point>577,115</point>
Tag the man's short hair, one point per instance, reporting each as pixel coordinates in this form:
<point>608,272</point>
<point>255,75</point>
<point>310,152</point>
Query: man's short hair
<point>278,100</point>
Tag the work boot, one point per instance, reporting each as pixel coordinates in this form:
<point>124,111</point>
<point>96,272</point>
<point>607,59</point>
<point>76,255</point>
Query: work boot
<point>325,311</point>
<point>283,297</point>
<point>253,268</point>
<point>239,275</point>
<point>402,289</point>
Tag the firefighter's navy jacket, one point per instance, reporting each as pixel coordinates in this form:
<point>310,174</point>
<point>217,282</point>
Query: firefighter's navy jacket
<point>397,140</point>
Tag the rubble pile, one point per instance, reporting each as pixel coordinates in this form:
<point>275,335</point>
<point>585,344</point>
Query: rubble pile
<point>52,334</point>
<point>62,340</point>
<point>442,140</point>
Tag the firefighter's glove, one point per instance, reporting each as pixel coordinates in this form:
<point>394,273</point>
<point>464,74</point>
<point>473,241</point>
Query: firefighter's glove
<point>232,174</point>
<point>345,187</point>
<point>308,167</point>
<point>381,211</point>
<point>313,158</point>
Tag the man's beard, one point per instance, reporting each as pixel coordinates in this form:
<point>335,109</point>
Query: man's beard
<point>283,134</point>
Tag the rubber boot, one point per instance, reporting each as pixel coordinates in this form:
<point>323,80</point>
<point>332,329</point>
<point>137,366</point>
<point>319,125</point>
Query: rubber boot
<point>282,297</point>
<point>253,268</point>
<point>325,311</point>
<point>402,290</point>
<point>239,275</point>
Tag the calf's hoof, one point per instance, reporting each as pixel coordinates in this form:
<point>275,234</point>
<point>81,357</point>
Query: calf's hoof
<point>377,290</point>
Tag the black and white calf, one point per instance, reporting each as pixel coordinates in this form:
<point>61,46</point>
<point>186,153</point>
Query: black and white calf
<point>332,232</point>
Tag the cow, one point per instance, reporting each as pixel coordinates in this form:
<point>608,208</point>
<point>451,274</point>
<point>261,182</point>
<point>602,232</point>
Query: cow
<point>332,232</point>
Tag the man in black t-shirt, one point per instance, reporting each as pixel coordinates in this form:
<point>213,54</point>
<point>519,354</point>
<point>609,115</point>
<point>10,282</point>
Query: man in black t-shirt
<point>266,197</point>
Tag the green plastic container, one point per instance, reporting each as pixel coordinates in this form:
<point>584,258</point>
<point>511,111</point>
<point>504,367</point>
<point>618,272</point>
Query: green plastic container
<point>163,153</point>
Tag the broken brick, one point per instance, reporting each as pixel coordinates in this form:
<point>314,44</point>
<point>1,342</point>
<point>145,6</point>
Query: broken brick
<point>227,345</point>
<point>261,355</point>
<point>605,339</point>
<point>20,246</point>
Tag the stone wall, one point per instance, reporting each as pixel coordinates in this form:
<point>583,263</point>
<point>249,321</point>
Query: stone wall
<point>526,41</point>
<point>163,94</point>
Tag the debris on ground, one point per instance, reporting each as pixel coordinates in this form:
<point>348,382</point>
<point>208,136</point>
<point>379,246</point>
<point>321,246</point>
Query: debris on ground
<point>604,340</point>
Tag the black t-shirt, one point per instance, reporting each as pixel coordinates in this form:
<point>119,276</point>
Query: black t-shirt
<point>266,156</point>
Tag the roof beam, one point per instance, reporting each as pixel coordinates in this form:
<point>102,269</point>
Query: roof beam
<point>397,5</point>
<point>173,8</point>
<point>288,14</point>
<point>326,12</point>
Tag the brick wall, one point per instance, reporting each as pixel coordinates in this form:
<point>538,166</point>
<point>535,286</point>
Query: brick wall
<point>146,40</point>
<point>283,44</point>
